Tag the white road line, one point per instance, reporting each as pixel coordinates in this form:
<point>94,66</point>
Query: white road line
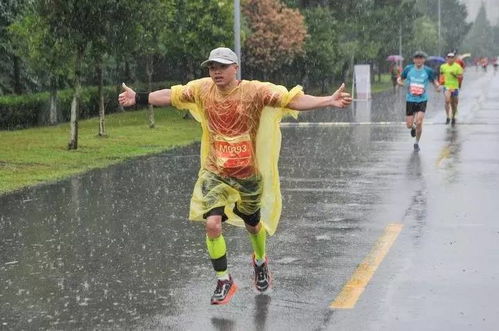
<point>306,124</point>
<point>328,124</point>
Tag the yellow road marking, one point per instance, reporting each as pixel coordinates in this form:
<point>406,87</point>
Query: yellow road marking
<point>364,272</point>
<point>444,154</point>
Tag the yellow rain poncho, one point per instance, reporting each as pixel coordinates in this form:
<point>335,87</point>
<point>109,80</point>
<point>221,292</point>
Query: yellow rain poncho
<point>241,140</point>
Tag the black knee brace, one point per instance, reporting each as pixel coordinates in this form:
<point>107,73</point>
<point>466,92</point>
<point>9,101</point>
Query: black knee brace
<point>220,264</point>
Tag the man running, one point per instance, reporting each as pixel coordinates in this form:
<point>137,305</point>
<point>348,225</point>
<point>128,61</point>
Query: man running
<point>238,181</point>
<point>417,76</point>
<point>452,73</point>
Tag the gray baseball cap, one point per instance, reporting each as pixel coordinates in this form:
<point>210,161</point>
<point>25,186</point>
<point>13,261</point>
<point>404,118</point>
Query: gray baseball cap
<point>420,54</point>
<point>221,55</point>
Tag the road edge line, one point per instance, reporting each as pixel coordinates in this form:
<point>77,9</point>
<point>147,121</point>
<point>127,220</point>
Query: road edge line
<point>354,288</point>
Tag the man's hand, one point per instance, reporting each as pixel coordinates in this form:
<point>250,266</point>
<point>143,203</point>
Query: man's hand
<point>127,98</point>
<point>340,98</point>
<point>400,82</point>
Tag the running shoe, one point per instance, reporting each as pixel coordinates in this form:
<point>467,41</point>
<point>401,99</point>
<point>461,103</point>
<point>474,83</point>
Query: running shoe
<point>224,292</point>
<point>453,122</point>
<point>263,279</point>
<point>447,121</point>
<point>413,132</point>
<point>416,147</point>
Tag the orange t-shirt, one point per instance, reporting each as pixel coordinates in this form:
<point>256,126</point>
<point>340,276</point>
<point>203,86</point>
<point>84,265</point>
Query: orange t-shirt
<point>233,119</point>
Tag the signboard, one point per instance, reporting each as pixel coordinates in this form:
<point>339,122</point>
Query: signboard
<point>362,81</point>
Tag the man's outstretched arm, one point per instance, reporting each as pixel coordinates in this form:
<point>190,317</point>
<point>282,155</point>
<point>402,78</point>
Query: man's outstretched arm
<point>157,98</point>
<point>339,99</point>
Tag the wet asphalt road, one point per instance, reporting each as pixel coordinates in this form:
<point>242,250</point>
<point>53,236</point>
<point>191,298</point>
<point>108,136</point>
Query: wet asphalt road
<point>112,249</point>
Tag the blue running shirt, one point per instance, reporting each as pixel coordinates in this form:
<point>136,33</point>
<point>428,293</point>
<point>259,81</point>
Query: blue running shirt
<point>417,81</point>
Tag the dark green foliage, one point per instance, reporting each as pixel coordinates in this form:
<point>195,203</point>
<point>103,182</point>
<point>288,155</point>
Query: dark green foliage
<point>19,112</point>
<point>480,39</point>
<point>53,42</point>
<point>14,77</point>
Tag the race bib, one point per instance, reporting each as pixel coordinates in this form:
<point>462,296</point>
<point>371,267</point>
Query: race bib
<point>233,152</point>
<point>416,89</point>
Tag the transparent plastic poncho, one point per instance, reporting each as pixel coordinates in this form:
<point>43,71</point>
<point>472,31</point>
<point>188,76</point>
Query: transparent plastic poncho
<point>241,139</point>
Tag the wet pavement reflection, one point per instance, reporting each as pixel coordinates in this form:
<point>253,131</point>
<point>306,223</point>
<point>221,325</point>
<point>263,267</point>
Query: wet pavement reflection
<point>112,249</point>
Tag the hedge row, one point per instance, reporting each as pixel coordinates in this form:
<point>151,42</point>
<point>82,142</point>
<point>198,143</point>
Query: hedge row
<point>29,110</point>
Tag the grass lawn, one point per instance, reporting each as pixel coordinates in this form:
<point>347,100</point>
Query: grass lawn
<point>383,85</point>
<point>32,156</point>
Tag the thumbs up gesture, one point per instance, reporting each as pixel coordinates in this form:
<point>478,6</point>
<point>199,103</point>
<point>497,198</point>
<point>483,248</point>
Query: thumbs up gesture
<point>340,98</point>
<point>127,98</point>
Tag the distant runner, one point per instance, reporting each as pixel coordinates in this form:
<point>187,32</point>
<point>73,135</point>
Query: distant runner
<point>417,77</point>
<point>452,73</point>
<point>238,181</point>
<point>395,71</point>
<point>463,65</point>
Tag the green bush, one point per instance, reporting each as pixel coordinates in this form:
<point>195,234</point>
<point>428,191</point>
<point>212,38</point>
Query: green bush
<point>18,112</point>
<point>24,111</point>
<point>89,102</point>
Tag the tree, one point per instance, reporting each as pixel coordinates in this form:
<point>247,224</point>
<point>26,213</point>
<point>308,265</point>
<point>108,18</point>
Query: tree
<point>479,40</point>
<point>452,21</point>
<point>393,23</point>
<point>45,55</point>
<point>370,30</point>
<point>321,48</point>
<point>12,77</point>
<point>152,35</point>
<point>71,22</point>
<point>454,25</point>
<point>116,24</point>
<point>196,27</point>
<point>277,35</point>
<point>426,38</point>
<point>86,27</point>
<point>495,32</point>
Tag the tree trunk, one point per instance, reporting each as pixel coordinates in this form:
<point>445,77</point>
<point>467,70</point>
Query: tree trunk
<point>53,101</point>
<point>149,66</point>
<point>102,110</point>
<point>190,69</point>
<point>129,77</point>
<point>378,73</point>
<point>18,89</point>
<point>119,89</point>
<point>324,85</point>
<point>73,140</point>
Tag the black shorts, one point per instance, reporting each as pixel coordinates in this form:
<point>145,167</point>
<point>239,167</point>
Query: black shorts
<point>413,107</point>
<point>250,191</point>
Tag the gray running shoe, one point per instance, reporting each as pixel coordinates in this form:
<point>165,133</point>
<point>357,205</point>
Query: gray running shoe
<point>224,291</point>
<point>262,275</point>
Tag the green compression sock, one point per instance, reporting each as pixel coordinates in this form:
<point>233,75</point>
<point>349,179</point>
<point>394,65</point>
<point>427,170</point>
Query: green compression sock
<point>258,242</point>
<point>218,254</point>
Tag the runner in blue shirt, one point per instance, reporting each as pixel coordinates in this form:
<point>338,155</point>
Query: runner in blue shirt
<point>417,77</point>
